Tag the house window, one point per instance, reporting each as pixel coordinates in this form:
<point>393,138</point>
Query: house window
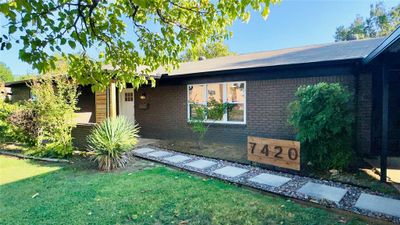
<point>232,93</point>
<point>128,96</point>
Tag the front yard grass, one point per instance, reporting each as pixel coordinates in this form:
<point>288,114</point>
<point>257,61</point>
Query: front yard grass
<point>153,194</point>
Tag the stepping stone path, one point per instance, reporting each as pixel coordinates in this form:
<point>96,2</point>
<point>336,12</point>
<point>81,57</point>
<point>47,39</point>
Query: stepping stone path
<point>322,191</point>
<point>158,154</point>
<point>177,158</point>
<point>144,150</point>
<point>376,203</point>
<point>201,164</point>
<point>270,179</point>
<point>230,171</point>
<point>341,196</point>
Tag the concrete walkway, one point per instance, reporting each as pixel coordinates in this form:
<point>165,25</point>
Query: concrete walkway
<point>393,167</point>
<point>328,193</point>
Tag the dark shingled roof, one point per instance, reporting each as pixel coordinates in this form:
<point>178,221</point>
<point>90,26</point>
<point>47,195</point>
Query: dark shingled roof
<point>345,50</point>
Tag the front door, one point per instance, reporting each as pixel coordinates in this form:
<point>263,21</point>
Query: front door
<point>127,103</point>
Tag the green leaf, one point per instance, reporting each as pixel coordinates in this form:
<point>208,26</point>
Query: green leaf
<point>8,46</point>
<point>12,29</point>
<point>265,12</point>
<point>72,44</point>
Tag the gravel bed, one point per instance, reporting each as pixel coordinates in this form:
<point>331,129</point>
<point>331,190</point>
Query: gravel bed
<point>288,189</point>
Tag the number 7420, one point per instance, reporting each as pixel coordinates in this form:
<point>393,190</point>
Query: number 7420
<point>292,152</point>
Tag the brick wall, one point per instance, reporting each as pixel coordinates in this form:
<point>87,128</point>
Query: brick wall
<point>364,112</point>
<point>80,133</point>
<point>267,102</point>
<point>165,115</point>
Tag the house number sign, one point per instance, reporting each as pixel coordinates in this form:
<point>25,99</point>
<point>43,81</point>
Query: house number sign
<point>281,153</point>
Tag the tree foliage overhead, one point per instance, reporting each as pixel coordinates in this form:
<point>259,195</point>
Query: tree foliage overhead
<point>5,73</point>
<point>133,36</point>
<point>381,22</point>
<point>209,50</point>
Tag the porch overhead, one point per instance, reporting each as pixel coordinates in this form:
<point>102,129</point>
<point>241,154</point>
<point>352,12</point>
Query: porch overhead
<point>390,46</point>
<point>387,57</point>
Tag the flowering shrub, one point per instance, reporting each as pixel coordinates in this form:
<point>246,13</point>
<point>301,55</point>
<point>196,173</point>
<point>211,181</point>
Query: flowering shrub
<point>24,124</point>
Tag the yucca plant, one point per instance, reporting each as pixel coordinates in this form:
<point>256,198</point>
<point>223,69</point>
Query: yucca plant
<point>110,140</point>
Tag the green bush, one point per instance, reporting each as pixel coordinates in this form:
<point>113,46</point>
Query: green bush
<point>54,102</point>
<point>7,133</point>
<point>17,124</point>
<point>322,115</point>
<point>24,126</point>
<point>110,140</point>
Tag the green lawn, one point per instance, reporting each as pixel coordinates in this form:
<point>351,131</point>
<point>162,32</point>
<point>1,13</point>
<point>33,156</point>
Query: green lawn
<point>12,170</point>
<point>154,195</point>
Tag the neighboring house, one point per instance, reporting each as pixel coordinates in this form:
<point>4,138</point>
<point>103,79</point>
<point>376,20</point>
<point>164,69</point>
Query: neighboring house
<point>5,92</point>
<point>260,85</point>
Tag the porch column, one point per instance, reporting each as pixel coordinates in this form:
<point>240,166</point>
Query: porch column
<point>106,103</point>
<point>113,100</point>
<point>385,122</point>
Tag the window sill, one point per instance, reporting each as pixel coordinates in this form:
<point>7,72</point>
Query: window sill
<point>222,123</point>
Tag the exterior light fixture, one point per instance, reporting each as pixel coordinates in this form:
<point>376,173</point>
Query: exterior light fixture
<point>143,96</point>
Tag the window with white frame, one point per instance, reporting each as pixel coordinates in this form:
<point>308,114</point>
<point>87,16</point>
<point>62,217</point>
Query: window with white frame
<point>233,93</point>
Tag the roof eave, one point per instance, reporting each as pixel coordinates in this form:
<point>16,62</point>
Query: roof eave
<point>11,83</point>
<point>274,67</point>
<point>392,38</point>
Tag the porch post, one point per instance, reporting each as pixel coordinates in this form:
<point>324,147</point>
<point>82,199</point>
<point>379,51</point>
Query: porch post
<point>385,122</point>
<point>113,100</point>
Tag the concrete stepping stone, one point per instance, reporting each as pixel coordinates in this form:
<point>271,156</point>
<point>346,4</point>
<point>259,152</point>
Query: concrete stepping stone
<point>322,191</point>
<point>159,154</point>
<point>270,179</point>
<point>144,150</point>
<point>177,158</point>
<point>379,204</point>
<point>201,164</point>
<point>230,171</point>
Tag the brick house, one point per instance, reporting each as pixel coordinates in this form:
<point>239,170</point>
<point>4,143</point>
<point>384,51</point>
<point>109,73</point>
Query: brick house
<point>260,86</point>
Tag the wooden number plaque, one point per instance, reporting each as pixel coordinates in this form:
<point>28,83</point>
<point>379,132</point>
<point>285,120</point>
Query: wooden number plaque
<point>281,153</point>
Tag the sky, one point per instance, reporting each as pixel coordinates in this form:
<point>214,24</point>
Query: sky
<point>291,23</point>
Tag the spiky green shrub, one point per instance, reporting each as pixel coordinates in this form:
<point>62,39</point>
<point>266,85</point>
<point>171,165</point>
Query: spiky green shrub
<point>110,140</point>
<point>323,117</point>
